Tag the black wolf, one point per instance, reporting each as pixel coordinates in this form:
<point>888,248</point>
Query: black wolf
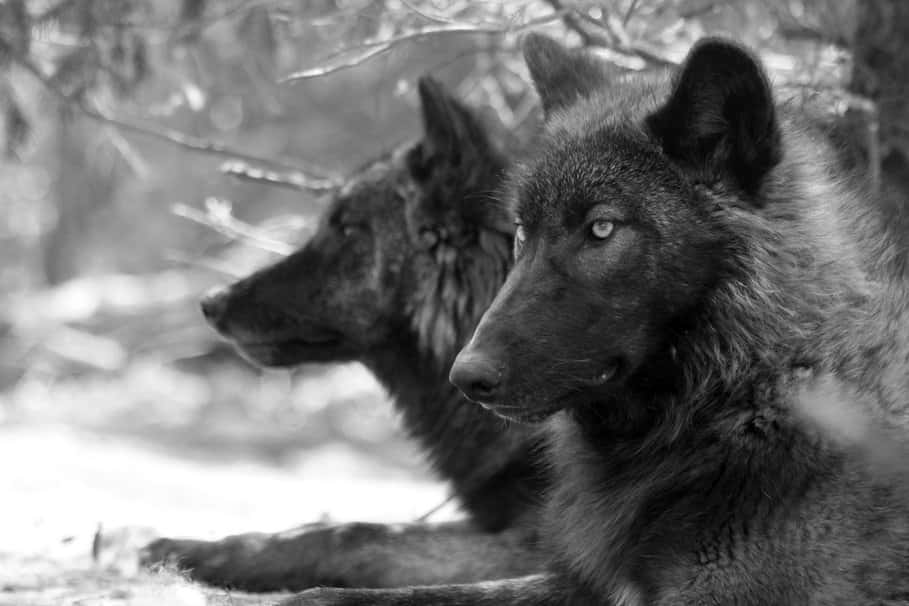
<point>687,268</point>
<point>405,260</point>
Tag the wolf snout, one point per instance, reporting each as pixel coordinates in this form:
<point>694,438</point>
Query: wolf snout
<point>214,306</point>
<point>478,375</point>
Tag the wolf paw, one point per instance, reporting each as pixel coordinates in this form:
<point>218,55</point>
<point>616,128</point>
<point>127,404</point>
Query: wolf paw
<point>218,563</point>
<point>181,553</point>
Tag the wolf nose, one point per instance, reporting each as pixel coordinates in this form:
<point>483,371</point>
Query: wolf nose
<point>214,304</point>
<point>477,375</point>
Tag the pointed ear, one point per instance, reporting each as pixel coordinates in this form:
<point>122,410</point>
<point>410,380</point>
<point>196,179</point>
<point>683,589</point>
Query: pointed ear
<point>720,117</point>
<point>561,75</point>
<point>451,130</point>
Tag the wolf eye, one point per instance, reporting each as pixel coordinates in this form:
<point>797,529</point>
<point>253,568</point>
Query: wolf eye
<point>348,230</point>
<point>519,237</point>
<point>601,229</point>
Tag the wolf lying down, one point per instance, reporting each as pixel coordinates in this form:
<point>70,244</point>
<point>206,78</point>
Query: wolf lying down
<point>407,257</point>
<point>687,263</point>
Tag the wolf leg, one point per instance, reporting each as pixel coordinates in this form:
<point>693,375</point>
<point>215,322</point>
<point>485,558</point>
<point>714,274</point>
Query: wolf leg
<point>534,590</point>
<point>352,555</point>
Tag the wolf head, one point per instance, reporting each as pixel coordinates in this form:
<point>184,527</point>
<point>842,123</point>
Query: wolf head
<point>408,253</point>
<point>654,204</point>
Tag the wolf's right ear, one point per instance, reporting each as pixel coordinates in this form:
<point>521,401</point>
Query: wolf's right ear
<point>561,75</point>
<point>720,117</point>
<point>451,130</point>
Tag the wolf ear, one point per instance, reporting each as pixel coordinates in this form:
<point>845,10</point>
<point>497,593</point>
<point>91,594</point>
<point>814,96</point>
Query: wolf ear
<point>560,75</point>
<point>451,130</point>
<point>720,117</point>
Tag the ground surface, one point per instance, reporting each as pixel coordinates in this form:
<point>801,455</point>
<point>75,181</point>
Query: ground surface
<point>84,488</point>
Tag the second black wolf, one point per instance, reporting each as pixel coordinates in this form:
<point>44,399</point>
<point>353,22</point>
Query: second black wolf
<point>406,259</point>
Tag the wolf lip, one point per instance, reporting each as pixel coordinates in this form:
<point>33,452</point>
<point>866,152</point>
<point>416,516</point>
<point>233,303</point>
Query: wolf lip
<point>325,337</point>
<point>521,414</point>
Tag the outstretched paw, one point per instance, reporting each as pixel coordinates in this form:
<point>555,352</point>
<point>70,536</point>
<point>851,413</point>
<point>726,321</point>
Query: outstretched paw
<point>224,563</point>
<point>184,554</point>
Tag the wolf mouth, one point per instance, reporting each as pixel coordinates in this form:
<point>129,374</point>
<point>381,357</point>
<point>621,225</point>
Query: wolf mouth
<point>311,337</point>
<point>524,414</point>
<point>520,414</point>
<point>321,340</point>
<point>290,351</point>
<point>531,416</point>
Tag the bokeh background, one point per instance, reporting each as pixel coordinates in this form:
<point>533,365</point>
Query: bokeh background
<point>152,149</point>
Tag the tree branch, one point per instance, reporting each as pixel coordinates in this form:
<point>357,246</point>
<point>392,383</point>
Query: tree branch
<point>795,31</point>
<point>54,11</point>
<point>425,15</point>
<point>613,41</point>
<point>289,179</point>
<point>573,23</point>
<point>374,48</point>
<point>175,137</point>
<point>233,228</point>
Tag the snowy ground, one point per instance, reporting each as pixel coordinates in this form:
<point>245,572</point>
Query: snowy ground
<point>78,501</point>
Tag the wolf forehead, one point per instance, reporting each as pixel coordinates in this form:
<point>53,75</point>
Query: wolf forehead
<point>598,151</point>
<point>617,165</point>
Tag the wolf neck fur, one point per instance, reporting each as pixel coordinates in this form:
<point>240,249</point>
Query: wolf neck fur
<point>486,460</point>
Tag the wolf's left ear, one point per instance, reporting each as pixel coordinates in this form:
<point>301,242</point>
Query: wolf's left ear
<point>720,117</point>
<point>561,75</point>
<point>451,130</point>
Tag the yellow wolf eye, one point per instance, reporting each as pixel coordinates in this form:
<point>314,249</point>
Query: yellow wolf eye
<point>601,229</point>
<point>519,237</point>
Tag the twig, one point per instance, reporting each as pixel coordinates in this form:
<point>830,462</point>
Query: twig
<point>628,13</point>
<point>374,48</point>
<point>796,32</point>
<point>168,135</point>
<point>213,266</point>
<point>232,228</point>
<point>572,22</point>
<point>54,11</point>
<point>435,509</point>
<point>425,15</point>
<point>289,179</point>
<point>615,41</point>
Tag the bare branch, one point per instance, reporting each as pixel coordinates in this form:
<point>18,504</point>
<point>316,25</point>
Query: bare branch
<point>628,13</point>
<point>289,179</point>
<point>374,48</point>
<point>54,11</point>
<point>436,509</point>
<point>573,23</point>
<point>214,266</point>
<point>795,31</point>
<point>424,14</point>
<point>230,226</point>
<point>614,41</point>
<point>168,135</point>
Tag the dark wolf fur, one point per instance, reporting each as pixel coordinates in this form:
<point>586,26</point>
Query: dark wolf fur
<point>687,269</point>
<point>406,259</point>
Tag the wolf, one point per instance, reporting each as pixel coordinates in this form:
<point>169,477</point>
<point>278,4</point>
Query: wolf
<point>405,259</point>
<point>688,269</point>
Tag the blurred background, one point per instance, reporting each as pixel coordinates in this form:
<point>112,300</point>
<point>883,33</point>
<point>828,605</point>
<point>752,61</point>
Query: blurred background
<point>154,149</point>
